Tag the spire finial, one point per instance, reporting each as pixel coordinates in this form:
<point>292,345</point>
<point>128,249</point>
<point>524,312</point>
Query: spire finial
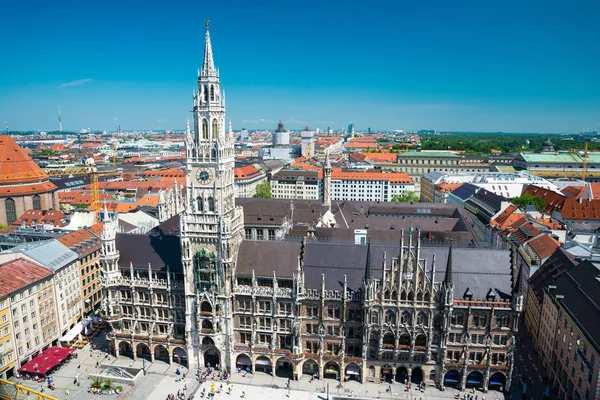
<point>448,275</point>
<point>208,66</point>
<point>368,270</point>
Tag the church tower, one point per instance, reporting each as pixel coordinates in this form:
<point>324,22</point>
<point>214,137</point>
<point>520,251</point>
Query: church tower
<point>211,225</point>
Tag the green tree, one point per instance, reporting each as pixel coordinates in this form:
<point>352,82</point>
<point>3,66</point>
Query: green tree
<point>528,199</point>
<point>108,384</point>
<point>407,197</point>
<point>263,190</point>
<point>3,227</point>
<point>96,383</point>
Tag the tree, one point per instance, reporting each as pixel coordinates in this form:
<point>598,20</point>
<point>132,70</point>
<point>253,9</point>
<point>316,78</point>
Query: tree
<point>263,190</point>
<point>528,199</point>
<point>96,383</point>
<point>407,197</point>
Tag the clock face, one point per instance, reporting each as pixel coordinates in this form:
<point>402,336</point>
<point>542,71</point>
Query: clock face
<point>204,176</point>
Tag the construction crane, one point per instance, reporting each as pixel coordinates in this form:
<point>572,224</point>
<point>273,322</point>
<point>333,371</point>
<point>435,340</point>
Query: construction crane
<point>585,157</point>
<point>14,391</point>
<point>92,171</point>
<point>114,147</point>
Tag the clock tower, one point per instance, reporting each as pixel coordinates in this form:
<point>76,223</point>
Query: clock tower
<point>211,225</point>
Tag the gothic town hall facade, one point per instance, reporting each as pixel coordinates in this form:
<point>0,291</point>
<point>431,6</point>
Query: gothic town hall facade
<point>194,291</point>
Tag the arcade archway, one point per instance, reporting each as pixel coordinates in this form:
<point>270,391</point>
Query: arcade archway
<point>474,379</point>
<point>284,368</point>
<point>497,381</point>
<point>402,375</point>
<point>161,353</point>
<point>416,375</point>
<point>263,364</point>
<point>452,378</point>
<point>211,358</point>
<point>353,372</point>
<point>180,356</point>
<point>243,362</point>
<point>310,367</point>
<point>125,349</point>
<point>331,370</point>
<point>143,351</point>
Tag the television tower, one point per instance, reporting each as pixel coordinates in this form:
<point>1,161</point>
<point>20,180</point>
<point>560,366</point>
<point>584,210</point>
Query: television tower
<point>59,120</point>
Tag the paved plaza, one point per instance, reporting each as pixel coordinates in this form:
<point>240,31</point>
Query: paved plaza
<point>161,380</point>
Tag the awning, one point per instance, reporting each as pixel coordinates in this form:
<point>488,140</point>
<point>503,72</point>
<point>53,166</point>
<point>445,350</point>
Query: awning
<point>495,382</point>
<point>352,369</point>
<point>49,359</point>
<point>244,360</point>
<point>476,379</point>
<point>451,377</point>
<point>263,361</point>
<point>75,331</point>
<point>352,373</point>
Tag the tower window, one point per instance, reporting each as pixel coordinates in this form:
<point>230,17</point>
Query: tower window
<point>211,204</point>
<point>215,128</point>
<point>204,129</point>
<point>37,204</point>
<point>200,204</point>
<point>212,93</point>
<point>11,211</point>
<point>205,93</point>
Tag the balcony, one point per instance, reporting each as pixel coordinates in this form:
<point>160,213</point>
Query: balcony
<point>6,350</point>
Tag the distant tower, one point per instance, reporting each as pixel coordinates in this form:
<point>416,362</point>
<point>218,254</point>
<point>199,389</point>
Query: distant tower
<point>327,181</point>
<point>59,120</point>
<point>547,146</point>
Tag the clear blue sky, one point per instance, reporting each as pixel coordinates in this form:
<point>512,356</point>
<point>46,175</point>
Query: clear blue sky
<point>520,66</point>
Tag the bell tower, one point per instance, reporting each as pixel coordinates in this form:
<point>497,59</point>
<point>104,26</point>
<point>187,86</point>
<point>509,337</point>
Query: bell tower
<point>211,226</point>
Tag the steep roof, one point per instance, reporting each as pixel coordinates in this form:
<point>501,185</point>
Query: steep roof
<point>553,200</point>
<point>49,253</point>
<point>20,273</point>
<point>579,209</point>
<point>17,167</point>
<point>35,217</point>
<point>465,191</point>
<point>580,289</point>
<point>559,262</point>
<point>82,241</point>
<point>544,245</point>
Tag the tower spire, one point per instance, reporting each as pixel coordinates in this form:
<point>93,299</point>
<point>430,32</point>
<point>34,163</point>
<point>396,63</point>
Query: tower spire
<point>448,275</point>
<point>368,270</point>
<point>59,120</point>
<point>208,65</point>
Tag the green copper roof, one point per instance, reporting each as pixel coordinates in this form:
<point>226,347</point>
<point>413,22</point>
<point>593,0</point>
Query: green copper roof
<point>559,158</point>
<point>426,154</point>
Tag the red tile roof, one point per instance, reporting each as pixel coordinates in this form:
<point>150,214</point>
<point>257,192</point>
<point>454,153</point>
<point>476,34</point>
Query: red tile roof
<point>594,190</point>
<point>20,273</point>
<point>574,191</point>
<point>554,201</point>
<point>506,218</point>
<point>169,173</point>
<point>447,187</point>
<point>393,177</point>
<point>544,245</point>
<point>381,157</point>
<point>248,171</point>
<point>17,167</point>
<point>75,197</point>
<point>525,232</point>
<point>83,242</point>
<point>581,210</point>
<point>35,217</point>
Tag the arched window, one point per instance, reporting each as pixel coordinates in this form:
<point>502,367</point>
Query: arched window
<point>200,204</point>
<point>37,204</point>
<point>212,93</point>
<point>204,129</point>
<point>374,317</point>
<point>215,128</point>
<point>390,317</point>
<point>11,211</point>
<point>405,319</point>
<point>456,319</point>
<point>423,319</point>
<point>211,204</point>
<point>205,92</point>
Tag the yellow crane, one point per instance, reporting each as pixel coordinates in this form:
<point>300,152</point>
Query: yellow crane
<point>585,157</point>
<point>114,147</point>
<point>94,174</point>
<point>14,391</point>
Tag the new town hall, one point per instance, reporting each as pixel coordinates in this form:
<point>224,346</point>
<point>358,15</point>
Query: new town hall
<point>388,301</point>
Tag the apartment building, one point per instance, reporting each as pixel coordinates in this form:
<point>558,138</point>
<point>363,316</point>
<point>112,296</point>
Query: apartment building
<point>7,345</point>
<point>296,184</point>
<point>370,185</point>
<point>86,244</point>
<point>247,178</point>
<point>29,289</point>
<point>63,262</point>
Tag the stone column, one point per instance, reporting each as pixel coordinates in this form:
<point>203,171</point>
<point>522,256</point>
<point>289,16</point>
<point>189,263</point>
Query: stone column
<point>486,379</point>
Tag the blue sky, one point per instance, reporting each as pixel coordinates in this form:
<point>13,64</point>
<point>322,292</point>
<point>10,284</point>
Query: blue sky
<point>519,66</point>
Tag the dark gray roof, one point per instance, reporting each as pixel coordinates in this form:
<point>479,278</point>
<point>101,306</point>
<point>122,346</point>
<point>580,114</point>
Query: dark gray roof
<point>465,191</point>
<point>155,249</point>
<point>556,265</point>
<point>487,203</point>
<point>169,227</point>
<point>580,287</point>
<point>264,257</point>
<point>474,269</point>
<point>272,211</point>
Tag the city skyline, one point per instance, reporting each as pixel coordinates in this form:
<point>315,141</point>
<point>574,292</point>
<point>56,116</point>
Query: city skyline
<point>471,67</point>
